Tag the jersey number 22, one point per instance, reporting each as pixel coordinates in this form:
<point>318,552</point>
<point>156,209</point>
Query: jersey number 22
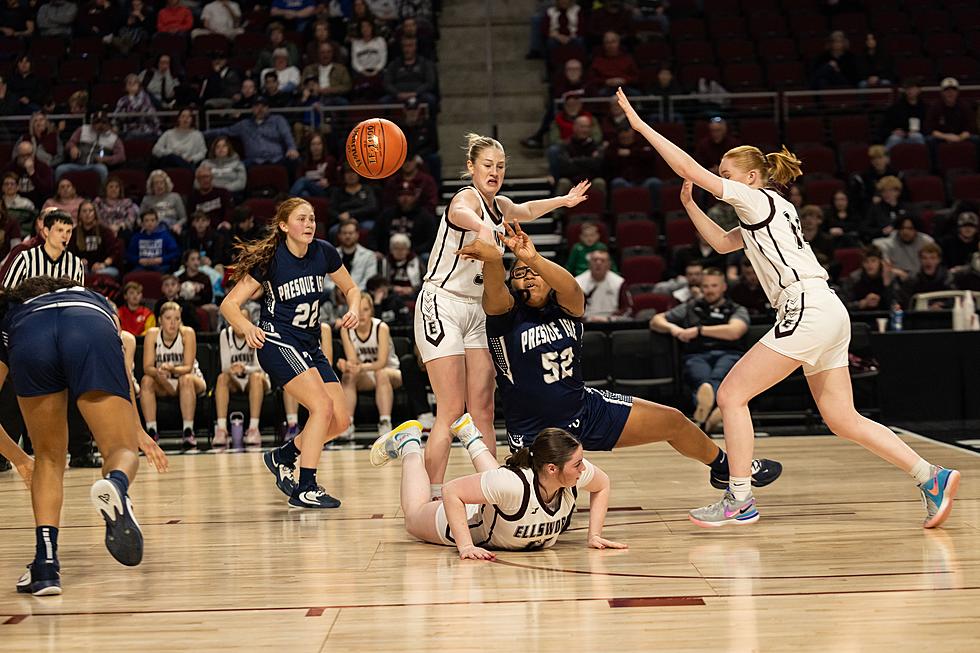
<point>557,365</point>
<point>307,315</point>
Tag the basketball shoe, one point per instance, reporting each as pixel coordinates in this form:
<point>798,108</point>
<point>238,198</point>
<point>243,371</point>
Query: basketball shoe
<point>465,430</point>
<point>764,472</point>
<point>123,537</point>
<point>220,442</point>
<point>384,426</point>
<point>314,497</point>
<point>253,440</point>
<point>727,511</point>
<point>388,446</point>
<point>283,472</point>
<point>938,494</point>
<point>188,443</point>
<point>41,579</point>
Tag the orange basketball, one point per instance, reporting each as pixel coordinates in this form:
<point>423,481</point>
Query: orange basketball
<point>376,148</point>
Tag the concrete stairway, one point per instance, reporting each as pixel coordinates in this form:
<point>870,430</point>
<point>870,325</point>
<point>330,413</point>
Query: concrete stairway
<point>517,88</point>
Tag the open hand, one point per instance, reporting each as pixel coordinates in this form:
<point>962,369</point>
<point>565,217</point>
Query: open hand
<point>350,320</point>
<point>472,552</point>
<point>480,250</point>
<point>597,542</point>
<point>254,336</point>
<point>26,471</point>
<point>634,118</point>
<point>578,194</point>
<point>153,452</point>
<point>519,242</point>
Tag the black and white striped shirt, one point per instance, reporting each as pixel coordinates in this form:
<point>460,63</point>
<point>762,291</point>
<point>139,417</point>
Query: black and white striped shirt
<point>35,262</point>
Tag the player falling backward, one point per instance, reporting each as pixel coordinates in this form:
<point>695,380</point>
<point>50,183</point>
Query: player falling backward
<point>812,326</point>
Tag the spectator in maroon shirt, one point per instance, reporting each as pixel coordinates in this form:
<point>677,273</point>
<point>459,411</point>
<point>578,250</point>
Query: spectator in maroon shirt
<point>629,161</point>
<point>713,147</point>
<point>422,182</point>
<point>35,179</point>
<point>572,80</point>
<point>209,199</point>
<point>950,118</point>
<point>613,69</point>
<point>95,244</point>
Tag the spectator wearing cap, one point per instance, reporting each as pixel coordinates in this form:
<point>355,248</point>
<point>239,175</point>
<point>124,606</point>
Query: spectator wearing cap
<point>407,218</point>
<point>333,80</point>
<point>175,18</point>
<point>94,147</point>
<point>286,74</point>
<point>277,39</point>
<point>715,144</point>
<point>629,162</point>
<point>870,287</point>
<point>222,17</point>
<point>265,137</point>
<point>612,68</point>
<point>960,246</point>
<point>422,137</point>
<point>886,209</point>
<point>404,267</point>
<point>410,76</point>
<point>421,182</point>
<point>901,248</point>
<point>950,118</point>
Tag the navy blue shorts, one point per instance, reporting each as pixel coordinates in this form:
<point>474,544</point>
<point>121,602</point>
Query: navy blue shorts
<point>284,358</point>
<point>598,425</point>
<point>73,348</point>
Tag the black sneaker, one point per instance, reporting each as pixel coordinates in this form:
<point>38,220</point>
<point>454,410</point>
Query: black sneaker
<point>4,464</point>
<point>188,443</point>
<point>314,497</point>
<point>532,143</point>
<point>42,579</point>
<point>153,434</point>
<point>764,472</point>
<point>283,473</point>
<point>87,460</point>
<point>123,537</point>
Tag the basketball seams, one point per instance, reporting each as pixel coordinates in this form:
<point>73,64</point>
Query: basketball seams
<point>357,149</point>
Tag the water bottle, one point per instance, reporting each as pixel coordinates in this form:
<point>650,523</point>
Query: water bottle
<point>897,317</point>
<point>237,420</point>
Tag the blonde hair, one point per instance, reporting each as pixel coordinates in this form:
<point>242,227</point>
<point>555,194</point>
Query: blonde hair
<point>476,144</point>
<point>891,182</point>
<point>811,209</point>
<point>168,183</point>
<point>876,151</point>
<point>779,168</point>
<point>170,306</point>
<point>259,253</point>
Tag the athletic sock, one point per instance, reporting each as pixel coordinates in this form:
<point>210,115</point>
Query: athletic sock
<point>120,477</point>
<point>223,423</point>
<point>307,479</point>
<point>435,490</point>
<point>411,445</point>
<point>151,426</point>
<point>46,547</point>
<point>253,422</point>
<point>720,463</point>
<point>740,486</point>
<point>384,418</point>
<point>292,419</point>
<point>475,447</point>
<point>288,453</point>
<point>921,471</point>
<point>189,425</point>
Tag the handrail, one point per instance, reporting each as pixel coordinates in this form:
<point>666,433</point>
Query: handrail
<point>321,110</point>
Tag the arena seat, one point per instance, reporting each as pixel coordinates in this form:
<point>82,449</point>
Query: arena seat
<point>643,363</point>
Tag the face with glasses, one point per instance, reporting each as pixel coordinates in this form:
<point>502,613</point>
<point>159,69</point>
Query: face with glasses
<point>526,279</point>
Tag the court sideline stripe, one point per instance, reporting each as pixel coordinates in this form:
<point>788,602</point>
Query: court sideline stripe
<point>955,447</point>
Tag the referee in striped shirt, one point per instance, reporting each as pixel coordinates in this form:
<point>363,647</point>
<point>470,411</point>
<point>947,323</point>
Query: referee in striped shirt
<point>52,258</point>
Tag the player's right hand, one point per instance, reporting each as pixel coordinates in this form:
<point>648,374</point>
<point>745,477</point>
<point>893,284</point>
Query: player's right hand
<point>472,552</point>
<point>519,242</point>
<point>634,118</point>
<point>26,471</point>
<point>254,336</point>
<point>479,250</point>
<point>153,452</point>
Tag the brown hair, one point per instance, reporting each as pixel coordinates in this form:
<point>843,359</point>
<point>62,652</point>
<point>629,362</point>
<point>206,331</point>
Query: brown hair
<point>476,144</point>
<point>258,253</point>
<point>713,272</point>
<point>80,234</point>
<point>931,248</point>
<point>871,251</point>
<point>811,209</point>
<point>779,168</point>
<point>132,285</point>
<point>551,447</point>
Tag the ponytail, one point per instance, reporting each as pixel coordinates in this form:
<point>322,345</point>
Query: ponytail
<point>551,447</point>
<point>783,167</point>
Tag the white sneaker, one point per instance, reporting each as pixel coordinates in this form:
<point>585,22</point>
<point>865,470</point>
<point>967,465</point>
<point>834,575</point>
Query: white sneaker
<point>388,446</point>
<point>220,442</point>
<point>348,434</point>
<point>464,429</point>
<point>253,440</point>
<point>384,426</point>
<point>427,420</point>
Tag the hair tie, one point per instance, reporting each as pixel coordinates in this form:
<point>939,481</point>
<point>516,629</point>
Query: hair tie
<point>765,159</point>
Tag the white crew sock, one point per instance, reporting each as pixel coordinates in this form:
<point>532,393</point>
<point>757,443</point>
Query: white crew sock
<point>292,419</point>
<point>435,490</point>
<point>188,424</point>
<point>921,471</point>
<point>223,423</point>
<point>151,426</point>
<point>741,487</point>
<point>384,418</point>
<point>253,422</point>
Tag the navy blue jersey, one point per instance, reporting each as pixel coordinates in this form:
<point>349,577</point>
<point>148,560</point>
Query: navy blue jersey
<point>293,290</point>
<point>76,296</point>
<point>537,356</point>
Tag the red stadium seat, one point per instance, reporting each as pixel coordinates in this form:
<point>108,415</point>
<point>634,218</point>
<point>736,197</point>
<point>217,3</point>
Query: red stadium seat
<point>695,52</point>
<point>688,29</point>
<point>907,157</point>
<point>86,182</point>
<point>849,259</point>
<point>890,21</point>
<point>267,180</point>
<point>926,190</point>
<point>636,233</point>
<point>670,198</point>
<point>853,24</point>
<point>134,182</point>
<point>967,187</point>
<point>931,19</point>
<point>262,208</point>
<point>965,69</point>
<point>808,24</point>
<point>631,200</point>
<point>761,132</point>
<point>735,50</point>
<point>850,129</point>
<point>183,179</point>
<point>821,191</point>
<point>596,203</point>
<point>779,48</point>
<point>855,158</point>
<point>690,74</point>
<point>321,209</point>
<point>743,77</point>
<point>138,150</point>
<point>115,70</point>
<point>652,52</point>
<point>722,27</point>
<point>150,280</point>
<point>681,232</point>
<point>79,70</point>
<point>801,131</point>
<point>960,157</point>
<point>764,24</point>
<point>209,45</point>
<point>643,269</point>
<point>659,302</point>
<point>944,45</point>
<point>817,160</point>
<point>786,75</point>
<point>88,46</point>
<point>105,95</point>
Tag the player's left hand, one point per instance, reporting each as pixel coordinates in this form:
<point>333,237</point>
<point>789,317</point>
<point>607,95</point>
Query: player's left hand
<point>519,242</point>
<point>472,552</point>
<point>349,321</point>
<point>634,118</point>
<point>578,194</point>
<point>597,542</point>
<point>26,471</point>
<point>480,250</point>
<point>153,452</point>
<point>688,334</point>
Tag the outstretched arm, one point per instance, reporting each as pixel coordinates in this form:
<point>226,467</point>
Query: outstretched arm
<point>497,299</point>
<point>599,490</point>
<point>527,211</point>
<point>722,241</point>
<point>679,161</point>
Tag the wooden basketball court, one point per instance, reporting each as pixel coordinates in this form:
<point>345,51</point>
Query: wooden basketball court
<point>838,562</point>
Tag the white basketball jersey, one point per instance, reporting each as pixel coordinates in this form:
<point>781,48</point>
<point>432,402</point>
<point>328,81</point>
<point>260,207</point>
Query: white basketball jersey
<point>450,272</point>
<point>367,350</point>
<point>518,517</point>
<point>234,351</point>
<point>773,238</point>
<point>173,354</point>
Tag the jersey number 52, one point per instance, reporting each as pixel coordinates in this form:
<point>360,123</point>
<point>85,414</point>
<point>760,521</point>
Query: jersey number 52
<point>307,315</point>
<point>557,365</point>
